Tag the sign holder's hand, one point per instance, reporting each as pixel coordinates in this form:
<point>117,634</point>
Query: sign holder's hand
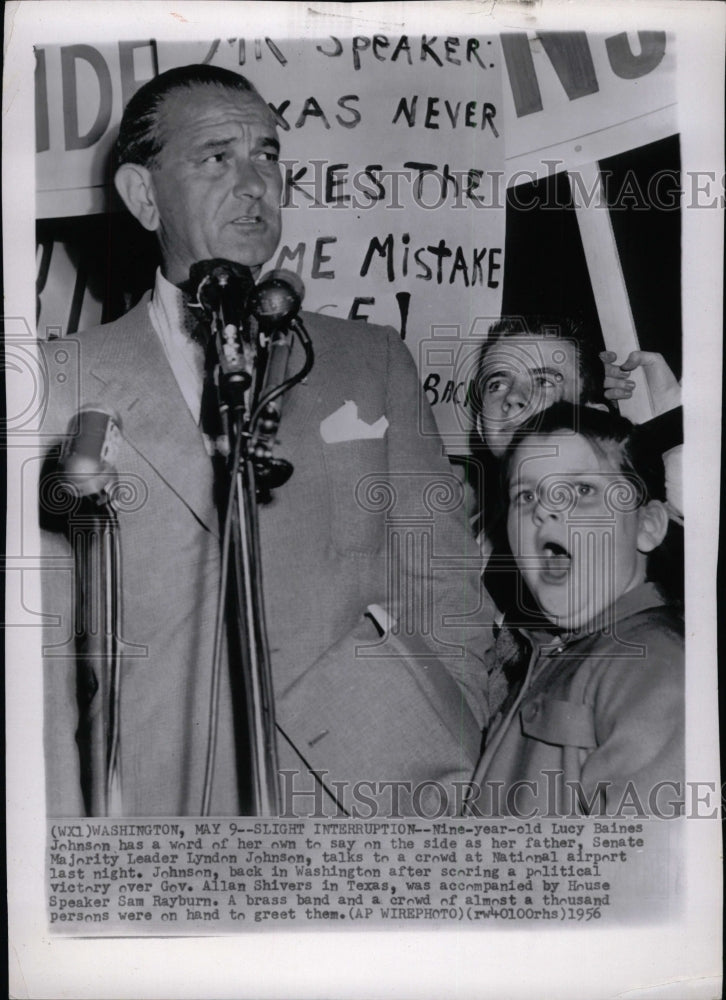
<point>663,387</point>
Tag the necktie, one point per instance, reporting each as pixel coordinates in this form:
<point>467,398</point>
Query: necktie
<point>210,419</point>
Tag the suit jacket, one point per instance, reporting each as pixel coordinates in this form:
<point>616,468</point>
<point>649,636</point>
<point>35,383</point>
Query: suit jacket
<point>376,521</point>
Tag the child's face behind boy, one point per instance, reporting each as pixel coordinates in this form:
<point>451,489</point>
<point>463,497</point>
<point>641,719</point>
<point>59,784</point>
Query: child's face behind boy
<point>575,528</point>
<point>523,375</point>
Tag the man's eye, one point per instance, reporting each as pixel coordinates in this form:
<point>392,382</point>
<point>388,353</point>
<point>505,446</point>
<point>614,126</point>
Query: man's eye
<point>496,385</point>
<point>216,158</point>
<point>585,490</point>
<point>523,497</point>
<point>548,382</point>
<point>267,156</point>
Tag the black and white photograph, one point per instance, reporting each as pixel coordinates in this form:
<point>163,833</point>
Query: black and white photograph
<point>363,440</point>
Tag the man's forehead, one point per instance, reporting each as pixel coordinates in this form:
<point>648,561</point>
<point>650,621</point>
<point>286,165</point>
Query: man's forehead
<point>528,353</point>
<point>205,105</point>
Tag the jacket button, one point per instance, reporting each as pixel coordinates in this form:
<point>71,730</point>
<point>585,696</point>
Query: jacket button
<point>530,712</point>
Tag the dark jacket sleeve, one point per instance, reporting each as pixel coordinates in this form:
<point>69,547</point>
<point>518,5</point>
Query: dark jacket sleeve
<point>639,711</point>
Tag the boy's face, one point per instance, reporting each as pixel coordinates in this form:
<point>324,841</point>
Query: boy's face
<point>521,376</point>
<point>574,527</point>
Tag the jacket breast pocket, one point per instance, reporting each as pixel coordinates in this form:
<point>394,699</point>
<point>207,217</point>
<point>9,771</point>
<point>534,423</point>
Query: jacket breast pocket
<point>360,494</point>
<point>561,723</point>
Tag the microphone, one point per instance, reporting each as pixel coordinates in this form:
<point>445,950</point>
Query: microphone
<point>276,299</point>
<point>222,288</point>
<point>274,304</point>
<point>87,469</point>
<point>88,457</point>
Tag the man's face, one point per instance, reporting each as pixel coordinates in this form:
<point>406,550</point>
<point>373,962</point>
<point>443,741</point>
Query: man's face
<point>574,527</point>
<point>216,182</point>
<point>521,376</point>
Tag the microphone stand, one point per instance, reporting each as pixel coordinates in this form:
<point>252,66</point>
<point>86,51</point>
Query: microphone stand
<point>95,543</point>
<point>251,473</point>
<point>251,626</point>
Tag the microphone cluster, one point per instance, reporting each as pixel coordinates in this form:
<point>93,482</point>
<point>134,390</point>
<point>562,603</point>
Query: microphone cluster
<point>251,326</point>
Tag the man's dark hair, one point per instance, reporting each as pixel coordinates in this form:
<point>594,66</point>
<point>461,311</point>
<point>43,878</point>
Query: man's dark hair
<point>139,140</point>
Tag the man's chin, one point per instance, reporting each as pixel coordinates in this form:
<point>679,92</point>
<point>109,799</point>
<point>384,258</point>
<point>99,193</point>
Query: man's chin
<point>499,437</point>
<point>254,259</point>
<point>252,251</point>
<point>498,443</point>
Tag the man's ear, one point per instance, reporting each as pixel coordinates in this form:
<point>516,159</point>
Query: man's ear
<point>134,185</point>
<point>652,525</point>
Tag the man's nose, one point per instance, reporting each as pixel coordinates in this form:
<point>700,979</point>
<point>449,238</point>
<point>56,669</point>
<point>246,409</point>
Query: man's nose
<point>517,395</point>
<point>249,181</point>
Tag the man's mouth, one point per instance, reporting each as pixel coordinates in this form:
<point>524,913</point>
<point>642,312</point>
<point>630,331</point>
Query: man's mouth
<point>247,220</point>
<point>555,562</point>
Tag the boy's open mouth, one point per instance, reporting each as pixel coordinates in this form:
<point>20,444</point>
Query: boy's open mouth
<point>556,562</point>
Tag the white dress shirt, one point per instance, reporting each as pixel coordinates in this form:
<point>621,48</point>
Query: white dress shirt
<point>185,356</point>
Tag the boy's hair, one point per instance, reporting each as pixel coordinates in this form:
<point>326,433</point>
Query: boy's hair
<point>614,437</point>
<point>139,140</point>
<point>626,447</point>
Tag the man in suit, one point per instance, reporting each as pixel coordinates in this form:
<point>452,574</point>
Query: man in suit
<point>369,518</point>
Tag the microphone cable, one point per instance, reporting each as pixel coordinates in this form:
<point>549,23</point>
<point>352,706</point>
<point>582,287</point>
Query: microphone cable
<point>303,336</point>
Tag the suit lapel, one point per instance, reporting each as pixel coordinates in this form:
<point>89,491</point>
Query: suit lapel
<point>156,422</point>
<point>132,375</point>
